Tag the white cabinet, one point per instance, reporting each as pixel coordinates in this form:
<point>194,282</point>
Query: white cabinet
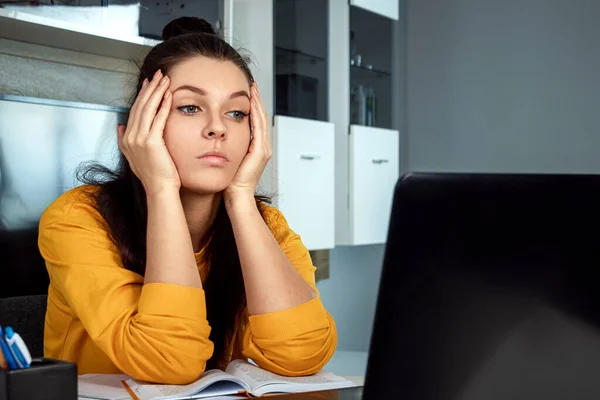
<point>387,8</point>
<point>303,162</point>
<point>367,145</point>
<point>374,170</point>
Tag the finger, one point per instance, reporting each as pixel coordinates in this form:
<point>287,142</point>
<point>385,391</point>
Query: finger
<point>143,89</point>
<point>263,111</point>
<point>146,91</point>
<point>134,112</point>
<point>140,105</point>
<point>258,121</point>
<point>265,140</point>
<point>148,86</point>
<point>136,103</point>
<point>257,129</point>
<point>132,115</point>
<point>158,125</point>
<point>121,129</point>
<point>151,108</point>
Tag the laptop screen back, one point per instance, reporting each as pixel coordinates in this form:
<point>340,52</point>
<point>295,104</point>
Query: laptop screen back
<point>489,289</point>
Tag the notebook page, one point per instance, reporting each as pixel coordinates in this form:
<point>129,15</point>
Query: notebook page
<point>230,384</point>
<point>102,386</point>
<point>257,377</point>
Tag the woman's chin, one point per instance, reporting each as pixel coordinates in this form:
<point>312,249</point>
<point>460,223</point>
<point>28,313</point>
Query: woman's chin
<point>205,188</point>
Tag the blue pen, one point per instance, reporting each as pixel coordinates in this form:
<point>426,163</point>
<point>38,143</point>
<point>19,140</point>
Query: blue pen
<point>17,346</point>
<point>8,357</point>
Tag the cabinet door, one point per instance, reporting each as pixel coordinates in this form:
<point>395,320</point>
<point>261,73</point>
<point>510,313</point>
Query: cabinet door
<point>303,154</point>
<point>374,170</point>
<point>387,8</point>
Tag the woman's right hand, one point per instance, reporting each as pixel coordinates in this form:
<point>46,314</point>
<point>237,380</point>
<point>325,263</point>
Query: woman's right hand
<point>141,141</point>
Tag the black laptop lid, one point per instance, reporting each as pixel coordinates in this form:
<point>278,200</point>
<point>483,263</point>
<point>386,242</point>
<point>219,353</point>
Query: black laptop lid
<point>489,289</point>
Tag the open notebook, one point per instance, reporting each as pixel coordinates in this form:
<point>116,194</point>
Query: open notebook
<point>240,377</point>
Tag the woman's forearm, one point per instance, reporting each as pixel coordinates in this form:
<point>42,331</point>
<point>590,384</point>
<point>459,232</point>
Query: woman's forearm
<point>271,282</point>
<point>170,255</point>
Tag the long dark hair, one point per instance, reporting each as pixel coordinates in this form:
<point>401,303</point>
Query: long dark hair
<point>121,199</point>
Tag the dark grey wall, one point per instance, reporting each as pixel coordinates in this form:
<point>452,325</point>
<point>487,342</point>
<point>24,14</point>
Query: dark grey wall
<point>509,85</point>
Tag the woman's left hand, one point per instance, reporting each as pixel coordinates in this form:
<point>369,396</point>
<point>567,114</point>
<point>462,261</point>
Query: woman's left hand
<point>259,153</point>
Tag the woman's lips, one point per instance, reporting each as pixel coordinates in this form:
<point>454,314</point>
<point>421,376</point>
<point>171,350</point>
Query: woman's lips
<point>214,159</point>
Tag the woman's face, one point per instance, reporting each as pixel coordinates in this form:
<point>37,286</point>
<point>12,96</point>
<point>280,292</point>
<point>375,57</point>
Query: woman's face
<point>207,132</point>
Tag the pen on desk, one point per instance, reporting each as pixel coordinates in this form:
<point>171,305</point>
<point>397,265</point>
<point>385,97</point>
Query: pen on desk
<point>8,357</point>
<point>17,347</point>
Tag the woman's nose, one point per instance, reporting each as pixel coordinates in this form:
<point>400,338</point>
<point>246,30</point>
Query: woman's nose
<point>215,129</point>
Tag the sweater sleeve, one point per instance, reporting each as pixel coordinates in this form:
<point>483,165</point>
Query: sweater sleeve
<point>299,340</point>
<point>156,332</point>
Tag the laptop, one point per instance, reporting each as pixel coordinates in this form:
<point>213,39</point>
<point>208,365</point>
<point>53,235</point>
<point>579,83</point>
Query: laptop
<point>489,289</point>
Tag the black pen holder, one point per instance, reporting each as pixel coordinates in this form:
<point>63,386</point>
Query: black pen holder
<point>46,379</point>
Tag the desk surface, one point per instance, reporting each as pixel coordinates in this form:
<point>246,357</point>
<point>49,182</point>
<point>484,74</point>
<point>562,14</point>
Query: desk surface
<point>354,393</point>
<point>341,394</point>
<point>357,380</point>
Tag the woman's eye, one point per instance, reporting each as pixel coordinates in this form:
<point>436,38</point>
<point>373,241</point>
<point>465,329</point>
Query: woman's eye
<point>188,110</point>
<point>237,114</point>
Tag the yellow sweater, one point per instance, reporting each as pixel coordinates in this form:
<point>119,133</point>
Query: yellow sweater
<point>102,317</point>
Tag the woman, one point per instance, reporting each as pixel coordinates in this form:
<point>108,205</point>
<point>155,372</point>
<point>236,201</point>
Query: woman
<point>171,265</point>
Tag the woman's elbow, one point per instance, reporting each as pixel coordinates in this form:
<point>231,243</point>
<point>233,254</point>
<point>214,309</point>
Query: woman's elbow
<point>168,370</point>
<point>187,363</point>
<point>302,357</point>
<point>173,362</point>
<point>311,361</point>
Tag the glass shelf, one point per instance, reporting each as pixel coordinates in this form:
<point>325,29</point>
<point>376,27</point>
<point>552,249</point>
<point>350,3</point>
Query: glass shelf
<point>301,52</point>
<point>284,55</point>
<point>367,71</point>
<point>370,73</point>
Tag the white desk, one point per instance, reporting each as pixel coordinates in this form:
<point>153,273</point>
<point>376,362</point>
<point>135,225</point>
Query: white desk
<point>357,380</point>
<point>347,364</point>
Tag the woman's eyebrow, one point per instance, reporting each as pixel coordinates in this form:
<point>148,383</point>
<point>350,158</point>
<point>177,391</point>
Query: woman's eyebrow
<point>202,92</point>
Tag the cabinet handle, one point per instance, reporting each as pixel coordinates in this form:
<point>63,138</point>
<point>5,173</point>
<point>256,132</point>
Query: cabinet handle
<point>380,161</point>
<point>309,157</point>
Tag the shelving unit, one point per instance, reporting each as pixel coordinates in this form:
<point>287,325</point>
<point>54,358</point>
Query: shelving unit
<point>21,26</point>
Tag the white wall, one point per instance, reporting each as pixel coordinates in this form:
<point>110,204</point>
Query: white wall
<point>350,293</point>
<point>503,85</point>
